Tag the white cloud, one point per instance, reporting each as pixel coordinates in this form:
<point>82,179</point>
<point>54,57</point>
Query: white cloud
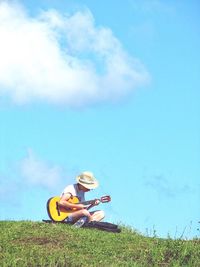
<point>38,172</point>
<point>62,59</point>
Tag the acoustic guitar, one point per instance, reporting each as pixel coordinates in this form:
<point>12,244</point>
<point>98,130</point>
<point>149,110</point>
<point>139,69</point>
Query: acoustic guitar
<point>59,213</point>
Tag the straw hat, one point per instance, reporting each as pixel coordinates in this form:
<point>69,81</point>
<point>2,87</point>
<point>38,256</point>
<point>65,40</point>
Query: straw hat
<point>87,180</point>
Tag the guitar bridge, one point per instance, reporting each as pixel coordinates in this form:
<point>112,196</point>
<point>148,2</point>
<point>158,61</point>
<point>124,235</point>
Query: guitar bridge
<point>57,208</point>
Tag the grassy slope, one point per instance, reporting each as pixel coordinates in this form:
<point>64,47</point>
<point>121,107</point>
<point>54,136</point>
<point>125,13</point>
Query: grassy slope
<point>27,243</point>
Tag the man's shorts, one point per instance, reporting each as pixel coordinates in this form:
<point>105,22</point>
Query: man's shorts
<point>69,219</point>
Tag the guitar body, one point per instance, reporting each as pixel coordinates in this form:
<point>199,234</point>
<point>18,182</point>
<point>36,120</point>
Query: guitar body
<point>58,213</point>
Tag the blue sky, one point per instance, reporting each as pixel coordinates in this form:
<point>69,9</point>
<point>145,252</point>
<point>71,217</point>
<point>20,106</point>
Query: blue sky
<point>106,86</point>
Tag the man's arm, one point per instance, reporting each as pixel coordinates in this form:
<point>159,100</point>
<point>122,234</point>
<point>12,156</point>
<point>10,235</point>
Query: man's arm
<point>64,202</point>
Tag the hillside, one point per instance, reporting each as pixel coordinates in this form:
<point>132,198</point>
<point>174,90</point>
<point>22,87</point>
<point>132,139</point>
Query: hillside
<point>26,243</point>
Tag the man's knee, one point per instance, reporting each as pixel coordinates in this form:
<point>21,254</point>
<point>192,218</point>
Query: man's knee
<point>101,214</point>
<point>98,215</point>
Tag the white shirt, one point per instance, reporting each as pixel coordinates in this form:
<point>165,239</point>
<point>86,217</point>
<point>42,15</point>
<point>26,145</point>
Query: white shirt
<point>74,191</point>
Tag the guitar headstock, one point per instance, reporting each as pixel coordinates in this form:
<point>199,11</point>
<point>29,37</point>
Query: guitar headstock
<point>105,199</point>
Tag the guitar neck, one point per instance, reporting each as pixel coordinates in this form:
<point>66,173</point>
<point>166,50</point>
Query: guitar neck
<point>103,199</point>
<point>88,202</point>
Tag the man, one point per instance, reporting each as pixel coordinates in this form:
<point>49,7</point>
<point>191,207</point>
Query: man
<point>85,182</point>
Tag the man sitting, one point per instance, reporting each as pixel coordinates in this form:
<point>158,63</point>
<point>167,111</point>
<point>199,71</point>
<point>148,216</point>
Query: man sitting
<point>85,182</point>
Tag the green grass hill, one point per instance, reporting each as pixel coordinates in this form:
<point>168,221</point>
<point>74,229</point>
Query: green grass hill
<point>26,243</point>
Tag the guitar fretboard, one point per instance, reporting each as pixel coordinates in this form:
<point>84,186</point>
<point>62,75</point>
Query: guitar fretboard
<point>88,202</point>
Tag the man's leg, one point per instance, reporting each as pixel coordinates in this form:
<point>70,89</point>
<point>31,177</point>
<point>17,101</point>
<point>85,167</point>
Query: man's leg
<point>97,215</point>
<point>80,213</point>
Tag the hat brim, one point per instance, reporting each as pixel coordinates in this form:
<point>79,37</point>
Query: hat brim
<point>94,184</point>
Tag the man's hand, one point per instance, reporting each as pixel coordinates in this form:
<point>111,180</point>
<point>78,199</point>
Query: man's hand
<point>97,201</point>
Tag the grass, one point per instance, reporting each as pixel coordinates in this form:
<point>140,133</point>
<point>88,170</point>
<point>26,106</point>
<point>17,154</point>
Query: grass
<point>26,243</point>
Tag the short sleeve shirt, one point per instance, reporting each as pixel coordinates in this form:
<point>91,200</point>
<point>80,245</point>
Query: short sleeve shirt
<point>74,191</point>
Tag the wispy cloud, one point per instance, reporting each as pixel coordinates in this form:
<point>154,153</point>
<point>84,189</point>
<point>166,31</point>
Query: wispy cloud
<point>40,173</point>
<point>11,193</point>
<point>165,187</point>
<point>62,59</point>
<point>150,7</point>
